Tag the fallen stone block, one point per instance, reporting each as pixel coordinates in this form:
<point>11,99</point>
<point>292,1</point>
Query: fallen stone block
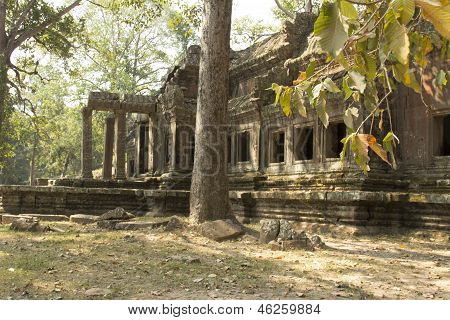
<point>275,246</point>
<point>269,230</point>
<point>287,232</point>
<point>304,244</point>
<point>10,218</point>
<point>47,217</point>
<point>136,225</point>
<point>221,230</point>
<point>108,224</point>
<point>95,292</point>
<point>316,242</point>
<point>24,225</point>
<point>116,214</point>
<point>83,218</point>
<point>174,223</point>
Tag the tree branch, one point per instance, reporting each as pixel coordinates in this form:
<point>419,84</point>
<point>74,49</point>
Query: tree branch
<point>285,11</point>
<point>44,25</point>
<point>21,19</point>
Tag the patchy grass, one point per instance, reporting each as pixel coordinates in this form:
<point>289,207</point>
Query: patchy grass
<point>182,265</point>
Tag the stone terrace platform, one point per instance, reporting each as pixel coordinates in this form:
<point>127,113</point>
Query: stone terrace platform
<point>341,207</point>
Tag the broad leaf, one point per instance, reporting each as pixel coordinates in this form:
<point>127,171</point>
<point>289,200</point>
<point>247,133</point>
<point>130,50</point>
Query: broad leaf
<point>348,117</point>
<point>297,103</point>
<point>357,81</point>
<point>438,13</point>
<point>360,147</point>
<point>310,69</point>
<point>330,29</point>
<point>441,79</point>
<point>404,9</point>
<point>396,37</point>
<point>348,10</point>
<point>277,89</point>
<point>331,86</point>
<point>377,148</point>
<point>285,101</point>
<point>321,108</point>
<point>347,91</point>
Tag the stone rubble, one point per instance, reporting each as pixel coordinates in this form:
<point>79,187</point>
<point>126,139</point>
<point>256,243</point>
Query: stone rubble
<point>287,238</point>
<point>221,230</point>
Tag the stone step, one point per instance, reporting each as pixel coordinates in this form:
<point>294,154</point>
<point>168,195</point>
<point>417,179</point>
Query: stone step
<point>10,218</point>
<point>48,217</point>
<point>83,218</point>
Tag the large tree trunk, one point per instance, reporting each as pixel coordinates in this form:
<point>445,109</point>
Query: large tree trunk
<point>209,189</point>
<point>3,92</point>
<point>3,69</point>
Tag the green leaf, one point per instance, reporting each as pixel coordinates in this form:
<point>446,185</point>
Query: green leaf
<point>389,144</point>
<point>297,102</point>
<point>406,76</point>
<point>317,90</point>
<point>330,29</point>
<point>404,9</point>
<point>310,69</point>
<point>357,81</point>
<point>343,61</point>
<point>277,89</point>
<point>441,79</point>
<point>347,91</point>
<point>321,109</point>
<point>396,37</point>
<point>348,117</point>
<point>345,142</point>
<point>331,86</point>
<point>371,66</point>
<point>348,10</point>
<point>285,101</point>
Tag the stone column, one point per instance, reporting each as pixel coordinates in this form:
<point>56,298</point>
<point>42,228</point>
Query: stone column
<point>173,151</point>
<point>151,146</point>
<point>289,145</point>
<point>137,160</point>
<point>86,146</point>
<point>108,148</point>
<point>120,144</point>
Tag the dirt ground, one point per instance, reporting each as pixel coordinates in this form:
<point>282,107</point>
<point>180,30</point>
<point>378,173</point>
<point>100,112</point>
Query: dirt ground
<point>183,265</point>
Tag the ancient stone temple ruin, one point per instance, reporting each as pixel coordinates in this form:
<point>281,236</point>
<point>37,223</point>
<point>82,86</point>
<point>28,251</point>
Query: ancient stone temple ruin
<point>278,166</point>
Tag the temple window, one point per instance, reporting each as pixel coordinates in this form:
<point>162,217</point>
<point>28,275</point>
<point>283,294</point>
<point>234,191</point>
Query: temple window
<point>277,146</point>
<point>442,136</point>
<point>243,139</point>
<point>333,136</point>
<point>303,143</point>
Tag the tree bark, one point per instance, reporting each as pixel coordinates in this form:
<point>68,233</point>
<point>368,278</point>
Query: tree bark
<point>209,190</point>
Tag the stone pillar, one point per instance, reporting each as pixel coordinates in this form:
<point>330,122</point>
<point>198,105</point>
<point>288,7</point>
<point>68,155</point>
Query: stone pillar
<point>137,160</point>
<point>86,146</point>
<point>289,145</point>
<point>255,146</point>
<point>151,146</point>
<point>120,144</point>
<point>173,151</point>
<point>108,148</point>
